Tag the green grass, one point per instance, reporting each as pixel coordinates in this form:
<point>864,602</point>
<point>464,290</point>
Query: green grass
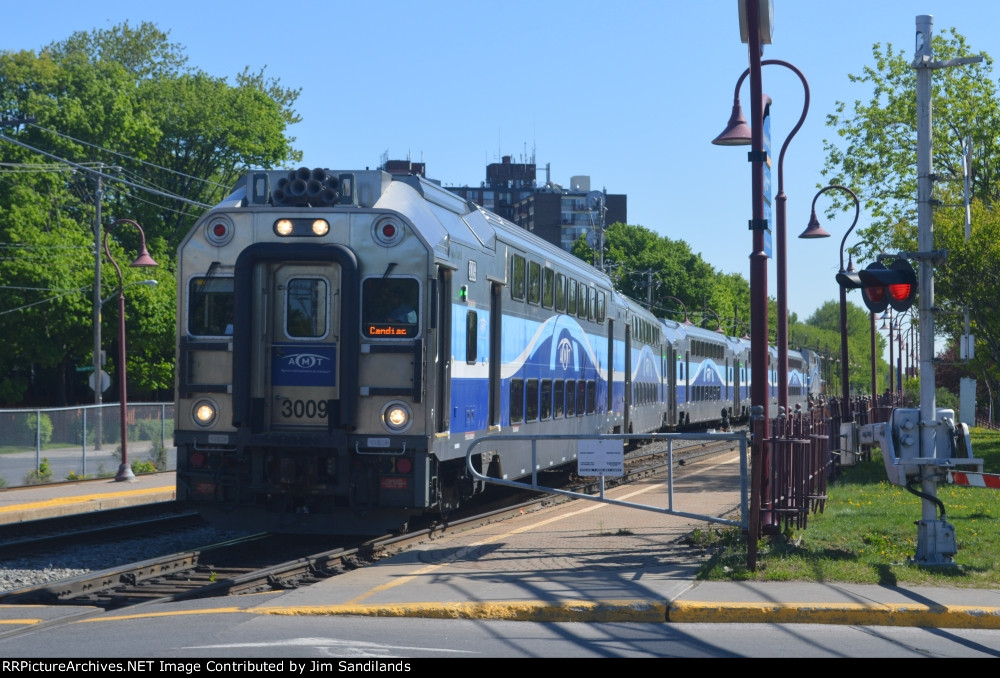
<point>866,533</point>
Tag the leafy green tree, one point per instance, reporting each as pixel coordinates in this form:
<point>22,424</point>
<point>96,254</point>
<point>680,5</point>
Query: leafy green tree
<point>652,268</point>
<point>169,140</point>
<point>821,332</point>
<point>970,279</point>
<point>875,151</point>
<point>47,270</point>
<point>875,154</point>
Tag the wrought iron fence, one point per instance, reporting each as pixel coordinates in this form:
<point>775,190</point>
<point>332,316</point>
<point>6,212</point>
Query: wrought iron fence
<point>68,443</point>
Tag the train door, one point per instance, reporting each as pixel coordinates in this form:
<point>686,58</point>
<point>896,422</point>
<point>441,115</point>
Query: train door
<point>496,325</point>
<point>443,399</point>
<point>296,319</point>
<point>627,423</point>
<point>298,343</point>
<point>669,371</point>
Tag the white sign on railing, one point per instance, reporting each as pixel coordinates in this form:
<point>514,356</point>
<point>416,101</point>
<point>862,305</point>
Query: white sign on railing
<point>601,458</point>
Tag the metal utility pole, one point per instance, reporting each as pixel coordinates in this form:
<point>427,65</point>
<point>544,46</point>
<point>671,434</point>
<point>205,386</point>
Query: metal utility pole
<point>933,536</point>
<point>98,376</point>
<point>967,344</point>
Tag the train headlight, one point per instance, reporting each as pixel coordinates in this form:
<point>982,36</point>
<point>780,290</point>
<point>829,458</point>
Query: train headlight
<point>396,416</point>
<point>204,412</point>
<point>301,228</point>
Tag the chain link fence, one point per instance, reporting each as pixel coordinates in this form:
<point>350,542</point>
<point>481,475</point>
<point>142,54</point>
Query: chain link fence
<point>73,443</point>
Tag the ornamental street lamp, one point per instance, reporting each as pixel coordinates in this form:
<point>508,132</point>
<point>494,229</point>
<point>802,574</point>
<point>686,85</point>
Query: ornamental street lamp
<point>814,230</point>
<point>756,28</point>
<point>683,307</point>
<point>124,470</point>
<point>738,133</point>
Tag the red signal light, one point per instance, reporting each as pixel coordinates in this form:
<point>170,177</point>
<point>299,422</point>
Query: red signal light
<point>883,286</point>
<point>900,291</point>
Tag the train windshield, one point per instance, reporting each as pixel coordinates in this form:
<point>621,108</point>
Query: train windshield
<point>390,307</point>
<point>211,308</point>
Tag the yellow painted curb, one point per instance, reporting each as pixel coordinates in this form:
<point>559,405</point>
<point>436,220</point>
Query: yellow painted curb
<point>895,614</point>
<point>567,611</point>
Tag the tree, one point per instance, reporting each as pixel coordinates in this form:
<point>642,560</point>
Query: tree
<point>876,152</point>
<point>876,155</point>
<point>969,280</point>
<point>822,333</point>
<point>650,268</point>
<point>124,101</point>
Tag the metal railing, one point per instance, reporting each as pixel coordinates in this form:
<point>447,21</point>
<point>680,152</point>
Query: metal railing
<point>533,441</point>
<point>70,443</point>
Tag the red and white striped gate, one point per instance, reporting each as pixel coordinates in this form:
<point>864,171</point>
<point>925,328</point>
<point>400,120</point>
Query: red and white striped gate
<point>991,480</point>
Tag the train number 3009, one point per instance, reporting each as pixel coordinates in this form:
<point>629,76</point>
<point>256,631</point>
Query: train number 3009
<point>304,408</point>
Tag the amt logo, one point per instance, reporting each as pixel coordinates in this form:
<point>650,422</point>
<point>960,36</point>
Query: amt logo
<point>305,361</point>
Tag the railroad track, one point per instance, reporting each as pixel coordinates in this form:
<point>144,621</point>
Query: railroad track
<point>51,534</point>
<point>249,564</point>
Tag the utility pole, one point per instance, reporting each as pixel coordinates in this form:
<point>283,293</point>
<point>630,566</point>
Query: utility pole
<point>935,538</point>
<point>98,375</point>
<point>967,344</point>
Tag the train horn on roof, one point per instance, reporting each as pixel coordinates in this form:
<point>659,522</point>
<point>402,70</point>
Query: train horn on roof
<point>307,187</point>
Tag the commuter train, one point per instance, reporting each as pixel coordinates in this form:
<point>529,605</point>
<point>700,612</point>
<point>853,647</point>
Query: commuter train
<point>344,336</point>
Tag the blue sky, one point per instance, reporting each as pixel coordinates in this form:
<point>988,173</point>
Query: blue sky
<point>629,93</point>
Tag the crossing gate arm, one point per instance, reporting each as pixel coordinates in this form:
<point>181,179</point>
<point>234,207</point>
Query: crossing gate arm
<point>989,480</point>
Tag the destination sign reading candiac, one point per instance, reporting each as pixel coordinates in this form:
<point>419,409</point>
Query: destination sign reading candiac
<point>601,458</point>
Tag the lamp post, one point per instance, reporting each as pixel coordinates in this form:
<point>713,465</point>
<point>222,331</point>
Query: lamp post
<point>737,133</point>
<point>686,321</point>
<point>756,27</point>
<point>718,320</point>
<point>871,316</point>
<point>892,355</point>
<point>124,470</point>
<point>814,230</point>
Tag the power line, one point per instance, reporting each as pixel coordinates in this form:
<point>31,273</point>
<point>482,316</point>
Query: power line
<point>58,296</point>
<point>98,173</point>
<point>128,157</point>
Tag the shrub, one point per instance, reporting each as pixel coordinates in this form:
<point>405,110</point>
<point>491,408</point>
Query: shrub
<point>159,455</point>
<point>32,424</point>
<point>143,466</point>
<point>43,474</point>
<point>148,429</point>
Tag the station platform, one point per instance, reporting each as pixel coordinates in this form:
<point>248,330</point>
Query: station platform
<point>579,561</point>
<point>52,500</point>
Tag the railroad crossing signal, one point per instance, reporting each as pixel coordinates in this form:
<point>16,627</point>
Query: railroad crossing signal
<point>881,286</point>
<point>849,279</point>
